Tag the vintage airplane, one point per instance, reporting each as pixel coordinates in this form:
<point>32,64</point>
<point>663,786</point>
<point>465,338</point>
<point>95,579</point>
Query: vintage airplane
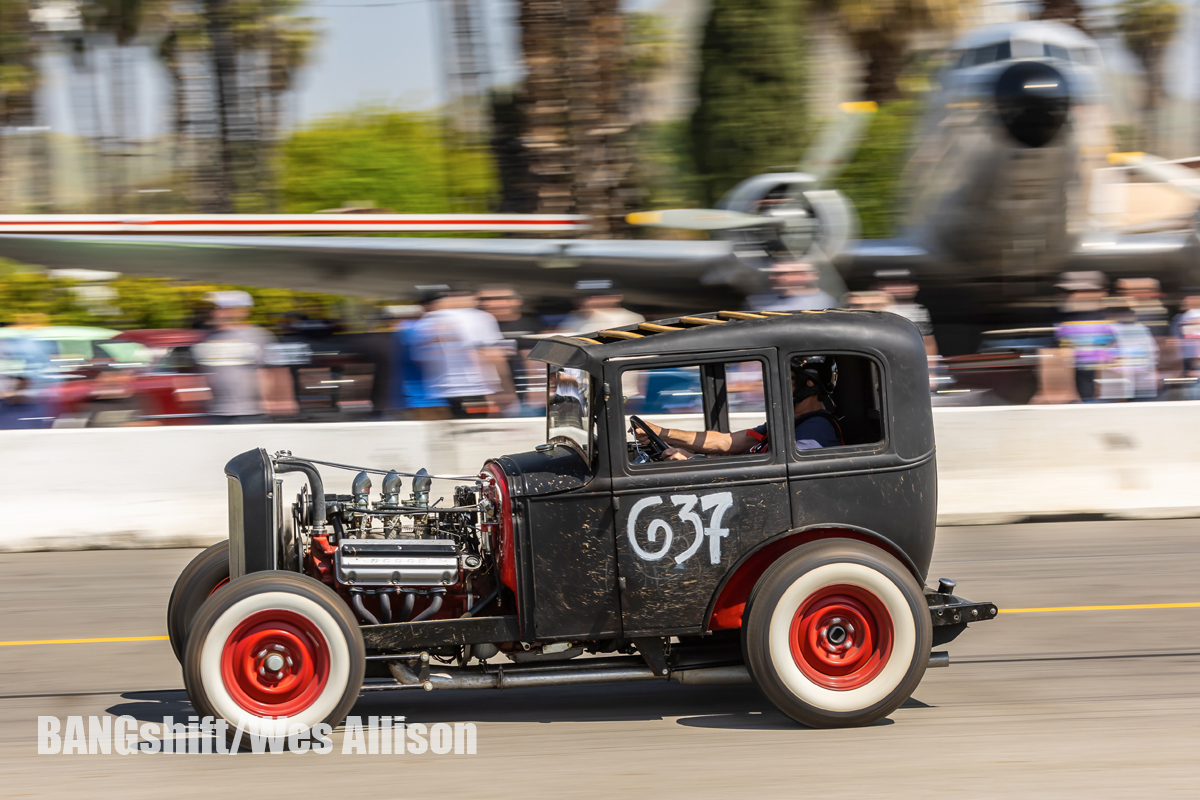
<point>999,187</point>
<point>1000,183</point>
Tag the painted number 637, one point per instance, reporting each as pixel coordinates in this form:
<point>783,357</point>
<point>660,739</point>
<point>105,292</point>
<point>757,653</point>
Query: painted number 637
<point>717,503</point>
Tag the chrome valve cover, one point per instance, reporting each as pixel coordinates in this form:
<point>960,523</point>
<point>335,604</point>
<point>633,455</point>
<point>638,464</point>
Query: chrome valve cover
<point>397,562</point>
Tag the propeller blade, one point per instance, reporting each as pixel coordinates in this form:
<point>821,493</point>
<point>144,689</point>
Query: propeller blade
<point>1159,169</point>
<point>837,142</point>
<point>699,219</point>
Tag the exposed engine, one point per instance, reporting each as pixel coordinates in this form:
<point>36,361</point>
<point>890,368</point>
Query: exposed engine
<point>394,558</point>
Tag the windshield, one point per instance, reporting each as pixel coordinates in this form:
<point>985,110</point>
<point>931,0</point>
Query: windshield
<point>569,408</point>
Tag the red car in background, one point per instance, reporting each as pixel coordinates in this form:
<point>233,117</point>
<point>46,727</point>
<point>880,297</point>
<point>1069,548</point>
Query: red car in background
<point>140,376</point>
<point>168,389</point>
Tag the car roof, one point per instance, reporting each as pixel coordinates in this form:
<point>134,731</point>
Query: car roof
<point>163,337</point>
<point>891,339</point>
<point>61,333</point>
<point>890,336</point>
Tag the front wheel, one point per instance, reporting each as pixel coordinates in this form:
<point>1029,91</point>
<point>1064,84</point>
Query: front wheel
<point>206,573</point>
<point>271,650</point>
<point>837,634</point>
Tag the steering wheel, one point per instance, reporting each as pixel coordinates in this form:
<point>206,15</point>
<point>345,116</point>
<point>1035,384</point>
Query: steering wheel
<point>657,445</point>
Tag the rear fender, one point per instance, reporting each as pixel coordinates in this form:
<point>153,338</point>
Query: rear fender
<point>729,601</point>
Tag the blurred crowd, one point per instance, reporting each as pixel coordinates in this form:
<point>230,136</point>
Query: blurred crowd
<point>456,353</point>
<point>462,352</point>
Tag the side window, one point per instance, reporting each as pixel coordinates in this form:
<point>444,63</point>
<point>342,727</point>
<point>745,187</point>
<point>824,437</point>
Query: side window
<point>716,397</point>
<point>838,401</point>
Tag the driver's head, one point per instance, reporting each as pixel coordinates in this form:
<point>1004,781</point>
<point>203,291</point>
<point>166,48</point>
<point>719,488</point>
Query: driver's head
<point>814,375</point>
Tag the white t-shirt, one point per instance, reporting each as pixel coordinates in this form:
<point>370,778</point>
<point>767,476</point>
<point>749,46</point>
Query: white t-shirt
<point>447,344</point>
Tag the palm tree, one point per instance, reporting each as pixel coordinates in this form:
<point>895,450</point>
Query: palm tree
<point>19,78</point>
<point>284,43</point>
<point>1148,27</point>
<point>574,110</point>
<point>1069,12</point>
<point>881,31</point>
<point>122,20</point>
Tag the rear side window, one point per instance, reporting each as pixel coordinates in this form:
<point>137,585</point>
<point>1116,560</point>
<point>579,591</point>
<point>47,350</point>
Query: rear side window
<point>838,401</point>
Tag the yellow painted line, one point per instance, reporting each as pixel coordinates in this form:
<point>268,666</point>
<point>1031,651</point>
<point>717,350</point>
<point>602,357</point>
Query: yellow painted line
<point>1098,608</point>
<point>86,641</point>
<point>1002,611</point>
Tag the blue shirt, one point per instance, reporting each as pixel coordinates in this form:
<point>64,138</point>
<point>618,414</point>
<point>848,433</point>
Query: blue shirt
<point>813,431</point>
<point>409,387</point>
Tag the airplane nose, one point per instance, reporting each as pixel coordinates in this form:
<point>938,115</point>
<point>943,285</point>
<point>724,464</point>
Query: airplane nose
<point>1032,100</point>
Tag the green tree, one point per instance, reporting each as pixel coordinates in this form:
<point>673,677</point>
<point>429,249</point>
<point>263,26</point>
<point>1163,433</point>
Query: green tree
<point>402,161</point>
<point>751,105</point>
<point>872,178</point>
<point>1148,27</point>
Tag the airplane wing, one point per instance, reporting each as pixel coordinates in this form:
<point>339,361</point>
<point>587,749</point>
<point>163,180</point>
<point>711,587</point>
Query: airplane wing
<point>664,275</point>
<point>1172,257</point>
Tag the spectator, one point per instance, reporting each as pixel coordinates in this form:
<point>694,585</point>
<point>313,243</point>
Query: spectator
<point>795,288</point>
<point>1085,327</point>
<point>505,306</point>
<point>868,301</point>
<point>599,308</point>
<point>1185,334</point>
<point>462,360</point>
<point>1134,374</point>
<point>1144,297</point>
<point>901,289</point>
<point>411,394</point>
<point>248,382</point>
<point>21,404</point>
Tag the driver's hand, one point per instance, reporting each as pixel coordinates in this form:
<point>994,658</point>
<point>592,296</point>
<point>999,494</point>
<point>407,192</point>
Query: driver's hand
<point>640,434</point>
<point>676,454</point>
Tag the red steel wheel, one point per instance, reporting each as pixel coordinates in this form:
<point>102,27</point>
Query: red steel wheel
<point>275,663</point>
<point>842,637</point>
<point>272,650</point>
<point>837,633</point>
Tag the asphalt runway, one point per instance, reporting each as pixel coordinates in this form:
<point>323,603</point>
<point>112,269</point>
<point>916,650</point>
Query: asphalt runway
<point>1098,703</point>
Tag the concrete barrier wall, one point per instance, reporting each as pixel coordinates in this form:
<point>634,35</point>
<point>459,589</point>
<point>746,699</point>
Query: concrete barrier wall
<point>163,487</point>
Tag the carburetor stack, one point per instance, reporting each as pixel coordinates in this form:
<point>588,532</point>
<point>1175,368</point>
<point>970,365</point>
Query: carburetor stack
<point>389,546</point>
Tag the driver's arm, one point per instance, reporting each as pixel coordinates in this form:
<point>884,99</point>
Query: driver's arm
<point>710,443</point>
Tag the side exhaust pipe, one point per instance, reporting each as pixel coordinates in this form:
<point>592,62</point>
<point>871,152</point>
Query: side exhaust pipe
<point>513,677</point>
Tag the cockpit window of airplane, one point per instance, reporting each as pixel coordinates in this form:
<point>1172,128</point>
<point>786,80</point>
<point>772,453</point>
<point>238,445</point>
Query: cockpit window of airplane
<point>976,56</point>
<point>1004,51</point>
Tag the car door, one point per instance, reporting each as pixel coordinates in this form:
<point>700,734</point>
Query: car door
<point>681,525</point>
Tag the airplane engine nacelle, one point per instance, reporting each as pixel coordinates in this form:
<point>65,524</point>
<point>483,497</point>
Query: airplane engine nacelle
<point>806,221</point>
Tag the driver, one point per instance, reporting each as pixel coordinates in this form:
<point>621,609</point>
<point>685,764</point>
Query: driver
<point>813,381</point>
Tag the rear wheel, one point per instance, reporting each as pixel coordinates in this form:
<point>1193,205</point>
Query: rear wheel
<point>837,634</point>
<point>272,650</point>
<point>203,575</point>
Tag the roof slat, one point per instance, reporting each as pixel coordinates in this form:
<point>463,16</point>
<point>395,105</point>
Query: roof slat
<point>656,328</point>
<point>585,339</point>
<point>619,334</point>
<point>775,313</point>
<point>739,315</point>
<point>701,321</point>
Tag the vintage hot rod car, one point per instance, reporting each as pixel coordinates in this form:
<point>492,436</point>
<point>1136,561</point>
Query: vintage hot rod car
<point>593,559</point>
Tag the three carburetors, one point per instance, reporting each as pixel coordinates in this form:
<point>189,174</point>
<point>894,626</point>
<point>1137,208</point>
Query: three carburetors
<point>398,544</point>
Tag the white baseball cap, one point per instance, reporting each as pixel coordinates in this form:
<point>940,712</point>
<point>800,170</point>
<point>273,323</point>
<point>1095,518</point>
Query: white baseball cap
<point>232,298</point>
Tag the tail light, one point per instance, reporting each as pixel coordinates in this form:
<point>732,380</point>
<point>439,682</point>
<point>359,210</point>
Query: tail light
<point>498,525</point>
